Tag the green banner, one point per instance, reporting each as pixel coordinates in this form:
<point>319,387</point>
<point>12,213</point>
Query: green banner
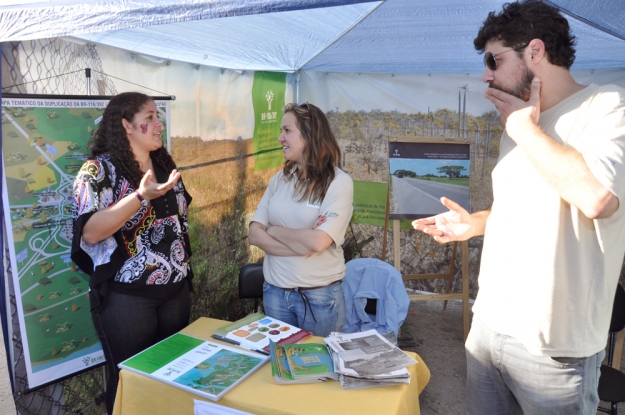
<point>370,204</point>
<point>268,99</point>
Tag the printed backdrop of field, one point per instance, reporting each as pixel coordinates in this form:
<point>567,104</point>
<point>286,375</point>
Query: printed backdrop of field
<point>226,190</point>
<point>220,177</point>
<point>216,188</point>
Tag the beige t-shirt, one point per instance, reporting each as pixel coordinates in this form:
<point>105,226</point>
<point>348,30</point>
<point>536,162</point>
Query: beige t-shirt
<point>548,273</point>
<point>281,206</point>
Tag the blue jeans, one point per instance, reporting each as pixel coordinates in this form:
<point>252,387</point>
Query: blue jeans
<point>504,378</point>
<point>130,324</point>
<point>319,311</point>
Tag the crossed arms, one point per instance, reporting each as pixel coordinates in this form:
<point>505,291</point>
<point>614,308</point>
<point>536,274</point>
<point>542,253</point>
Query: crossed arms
<point>281,241</point>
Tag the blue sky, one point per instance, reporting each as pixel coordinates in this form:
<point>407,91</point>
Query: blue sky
<point>427,166</point>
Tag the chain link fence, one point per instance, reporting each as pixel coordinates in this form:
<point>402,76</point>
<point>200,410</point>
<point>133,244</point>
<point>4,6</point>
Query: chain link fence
<point>52,66</point>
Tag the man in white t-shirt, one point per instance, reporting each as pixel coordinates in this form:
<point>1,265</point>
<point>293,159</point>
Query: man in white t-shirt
<point>555,233</point>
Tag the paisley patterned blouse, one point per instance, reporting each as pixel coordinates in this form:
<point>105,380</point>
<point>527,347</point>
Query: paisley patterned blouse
<point>149,255</point>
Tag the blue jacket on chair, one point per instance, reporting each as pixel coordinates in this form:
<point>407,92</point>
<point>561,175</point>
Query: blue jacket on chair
<point>371,278</point>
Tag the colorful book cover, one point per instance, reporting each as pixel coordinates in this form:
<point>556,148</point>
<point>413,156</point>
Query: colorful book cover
<point>281,367</point>
<point>279,364</point>
<point>207,369</point>
<point>309,360</point>
<point>256,330</point>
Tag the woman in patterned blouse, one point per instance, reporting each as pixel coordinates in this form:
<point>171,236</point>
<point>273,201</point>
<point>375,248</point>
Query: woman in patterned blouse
<point>131,233</point>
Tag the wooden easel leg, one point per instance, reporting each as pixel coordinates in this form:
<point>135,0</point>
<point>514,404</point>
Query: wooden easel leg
<point>396,245</point>
<point>465,288</point>
<point>451,273</point>
<point>385,236</point>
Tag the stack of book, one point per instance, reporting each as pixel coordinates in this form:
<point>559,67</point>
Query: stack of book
<point>368,359</point>
<point>357,360</point>
<point>301,363</point>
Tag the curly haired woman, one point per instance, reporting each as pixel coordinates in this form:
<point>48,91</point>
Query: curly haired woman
<point>130,233</point>
<point>300,223</point>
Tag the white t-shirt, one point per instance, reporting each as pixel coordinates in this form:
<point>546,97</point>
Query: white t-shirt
<point>548,273</point>
<point>281,206</point>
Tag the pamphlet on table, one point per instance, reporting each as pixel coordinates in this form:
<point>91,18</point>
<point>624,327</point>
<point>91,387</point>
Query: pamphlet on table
<point>207,408</point>
<point>301,363</point>
<point>204,368</point>
<point>254,332</point>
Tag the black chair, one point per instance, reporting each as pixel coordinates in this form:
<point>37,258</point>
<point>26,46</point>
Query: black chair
<point>612,380</point>
<point>251,281</point>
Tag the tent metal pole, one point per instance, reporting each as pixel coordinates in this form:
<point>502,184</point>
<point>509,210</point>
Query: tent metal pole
<point>88,76</point>
<point>297,86</point>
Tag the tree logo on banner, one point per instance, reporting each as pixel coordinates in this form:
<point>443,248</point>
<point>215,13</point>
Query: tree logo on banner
<point>269,97</point>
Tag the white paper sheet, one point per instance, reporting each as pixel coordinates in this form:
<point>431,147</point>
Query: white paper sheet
<point>207,408</point>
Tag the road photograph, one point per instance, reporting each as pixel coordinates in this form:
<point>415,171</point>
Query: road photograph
<point>417,185</point>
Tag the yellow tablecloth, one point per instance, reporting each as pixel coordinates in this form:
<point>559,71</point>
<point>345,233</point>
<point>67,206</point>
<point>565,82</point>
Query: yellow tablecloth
<point>259,394</point>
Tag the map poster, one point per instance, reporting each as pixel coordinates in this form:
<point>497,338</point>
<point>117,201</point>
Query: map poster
<point>422,173</point>
<point>44,145</point>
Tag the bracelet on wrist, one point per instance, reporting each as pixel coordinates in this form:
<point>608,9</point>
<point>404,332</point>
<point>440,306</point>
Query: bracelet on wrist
<point>142,200</point>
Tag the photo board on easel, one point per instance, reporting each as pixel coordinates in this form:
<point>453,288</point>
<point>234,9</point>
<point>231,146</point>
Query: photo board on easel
<point>422,170</point>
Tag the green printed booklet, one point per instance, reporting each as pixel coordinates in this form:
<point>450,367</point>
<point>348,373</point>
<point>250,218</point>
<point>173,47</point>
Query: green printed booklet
<point>207,369</point>
<point>256,330</point>
<point>301,363</point>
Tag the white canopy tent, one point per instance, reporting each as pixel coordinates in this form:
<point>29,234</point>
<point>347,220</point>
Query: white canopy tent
<point>356,55</point>
<point>314,35</point>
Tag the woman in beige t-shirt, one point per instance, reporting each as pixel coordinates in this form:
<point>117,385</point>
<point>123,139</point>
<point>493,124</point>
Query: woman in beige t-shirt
<point>300,223</point>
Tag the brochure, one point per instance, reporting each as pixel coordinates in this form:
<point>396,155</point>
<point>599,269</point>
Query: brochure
<point>201,367</point>
<point>254,332</point>
<point>282,371</point>
<point>309,361</point>
<point>207,408</point>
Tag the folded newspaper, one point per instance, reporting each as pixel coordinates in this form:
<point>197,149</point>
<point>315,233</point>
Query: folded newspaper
<point>368,359</point>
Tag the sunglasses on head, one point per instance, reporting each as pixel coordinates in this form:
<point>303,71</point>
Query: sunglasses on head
<point>489,58</point>
<point>305,105</point>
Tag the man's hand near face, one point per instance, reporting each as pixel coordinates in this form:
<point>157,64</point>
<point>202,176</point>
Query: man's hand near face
<point>562,167</point>
<point>517,115</point>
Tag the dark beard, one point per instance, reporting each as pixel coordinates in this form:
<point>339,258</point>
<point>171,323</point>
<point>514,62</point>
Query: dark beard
<point>522,88</point>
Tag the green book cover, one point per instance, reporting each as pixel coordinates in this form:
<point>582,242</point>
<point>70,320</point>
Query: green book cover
<point>163,353</point>
<point>309,360</point>
<point>201,367</point>
<point>279,364</point>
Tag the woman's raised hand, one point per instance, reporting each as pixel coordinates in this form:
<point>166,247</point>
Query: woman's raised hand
<point>149,189</point>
